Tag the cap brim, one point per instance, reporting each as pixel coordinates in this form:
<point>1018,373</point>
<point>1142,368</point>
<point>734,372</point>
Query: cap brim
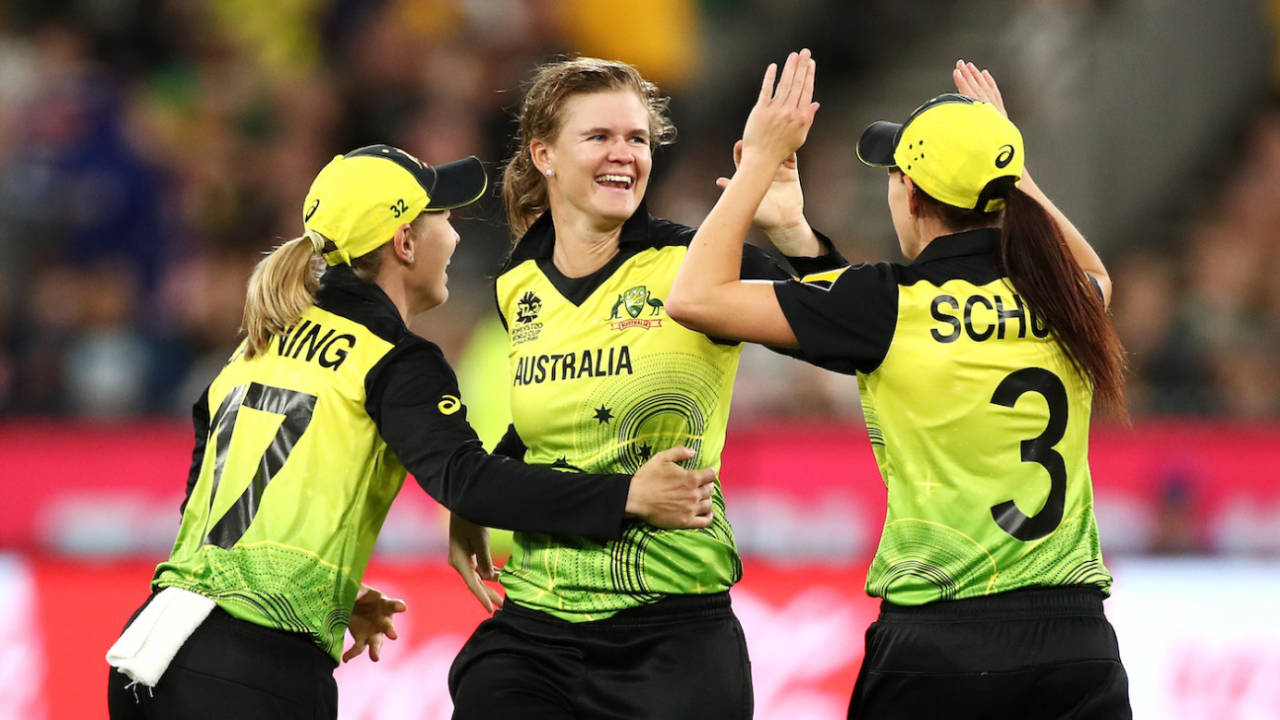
<point>455,184</point>
<point>878,141</point>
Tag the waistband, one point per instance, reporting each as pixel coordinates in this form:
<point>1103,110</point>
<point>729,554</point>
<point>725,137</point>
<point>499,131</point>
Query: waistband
<point>1026,602</point>
<point>671,608</point>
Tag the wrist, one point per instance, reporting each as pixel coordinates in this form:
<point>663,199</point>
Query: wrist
<point>795,239</point>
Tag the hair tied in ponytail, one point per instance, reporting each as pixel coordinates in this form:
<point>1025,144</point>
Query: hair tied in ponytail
<point>994,194</point>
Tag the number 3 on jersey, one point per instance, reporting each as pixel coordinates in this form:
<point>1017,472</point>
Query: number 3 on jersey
<point>297,408</point>
<point>1037,450</point>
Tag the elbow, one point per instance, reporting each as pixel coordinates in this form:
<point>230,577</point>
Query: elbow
<point>684,309</point>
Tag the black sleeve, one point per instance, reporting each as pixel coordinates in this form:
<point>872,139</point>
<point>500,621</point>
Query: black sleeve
<point>844,323</point>
<point>1093,281</point>
<point>200,418</point>
<point>413,398</point>
<point>511,446</point>
<point>760,265</point>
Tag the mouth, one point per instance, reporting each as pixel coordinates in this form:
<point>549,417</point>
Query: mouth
<point>615,181</point>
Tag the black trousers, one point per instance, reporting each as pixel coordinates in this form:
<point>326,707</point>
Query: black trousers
<point>1042,653</point>
<point>234,670</point>
<point>682,658</point>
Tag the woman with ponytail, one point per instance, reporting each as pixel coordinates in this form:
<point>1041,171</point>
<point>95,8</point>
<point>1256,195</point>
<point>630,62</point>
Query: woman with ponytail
<point>305,437</point>
<point>979,363</point>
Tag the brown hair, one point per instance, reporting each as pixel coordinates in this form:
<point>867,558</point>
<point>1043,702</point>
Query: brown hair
<point>524,190</point>
<point>1045,273</point>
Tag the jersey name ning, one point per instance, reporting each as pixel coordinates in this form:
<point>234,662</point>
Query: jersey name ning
<point>280,523</point>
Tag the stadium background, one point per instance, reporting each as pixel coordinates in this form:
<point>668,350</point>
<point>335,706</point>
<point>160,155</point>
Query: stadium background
<point>150,150</point>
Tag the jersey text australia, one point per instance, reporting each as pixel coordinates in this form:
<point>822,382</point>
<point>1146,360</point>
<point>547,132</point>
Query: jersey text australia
<point>600,379</point>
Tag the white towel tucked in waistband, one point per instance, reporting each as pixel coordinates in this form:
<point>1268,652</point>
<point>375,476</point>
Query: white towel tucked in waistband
<point>147,646</point>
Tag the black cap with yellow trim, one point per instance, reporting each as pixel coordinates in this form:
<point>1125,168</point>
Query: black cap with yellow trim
<point>955,148</point>
<point>359,199</point>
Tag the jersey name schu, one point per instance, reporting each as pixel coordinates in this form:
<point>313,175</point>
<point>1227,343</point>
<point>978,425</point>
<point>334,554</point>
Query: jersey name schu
<point>599,383</point>
<point>282,518</point>
<point>978,421</point>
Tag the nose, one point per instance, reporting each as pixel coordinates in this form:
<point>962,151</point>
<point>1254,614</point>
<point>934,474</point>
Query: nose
<point>621,152</point>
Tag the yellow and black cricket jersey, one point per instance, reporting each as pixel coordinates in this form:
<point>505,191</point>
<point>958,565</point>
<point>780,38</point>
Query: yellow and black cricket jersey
<point>977,418</point>
<point>294,472</point>
<point>601,378</point>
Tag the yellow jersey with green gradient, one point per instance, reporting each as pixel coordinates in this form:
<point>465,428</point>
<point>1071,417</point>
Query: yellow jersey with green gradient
<point>307,445</point>
<point>600,379</point>
<point>978,420</point>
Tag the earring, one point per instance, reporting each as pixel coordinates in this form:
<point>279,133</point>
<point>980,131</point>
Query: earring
<point>549,172</point>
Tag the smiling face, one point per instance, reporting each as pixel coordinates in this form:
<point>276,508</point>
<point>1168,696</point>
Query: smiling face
<point>600,160</point>
<point>436,241</point>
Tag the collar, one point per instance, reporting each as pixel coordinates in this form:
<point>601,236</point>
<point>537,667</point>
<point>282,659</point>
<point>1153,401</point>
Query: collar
<point>981,241</point>
<point>342,292</point>
<point>539,241</point>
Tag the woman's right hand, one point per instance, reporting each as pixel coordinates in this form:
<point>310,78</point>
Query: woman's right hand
<point>469,555</point>
<point>666,495</point>
<point>779,123</point>
<point>978,84</point>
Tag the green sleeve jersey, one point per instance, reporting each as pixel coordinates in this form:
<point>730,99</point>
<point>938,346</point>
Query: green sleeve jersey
<point>977,418</point>
<point>294,483</point>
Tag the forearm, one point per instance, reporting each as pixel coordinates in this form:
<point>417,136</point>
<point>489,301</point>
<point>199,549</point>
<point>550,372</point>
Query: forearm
<point>714,259</point>
<point>796,239</point>
<point>502,493</point>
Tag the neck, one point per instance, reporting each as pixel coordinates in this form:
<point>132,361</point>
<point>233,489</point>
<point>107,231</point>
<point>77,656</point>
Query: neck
<point>582,246</point>
<point>399,294</point>
<point>927,229</point>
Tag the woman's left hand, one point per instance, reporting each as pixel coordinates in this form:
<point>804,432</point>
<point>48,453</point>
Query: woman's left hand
<point>783,204</point>
<point>779,123</point>
<point>370,621</point>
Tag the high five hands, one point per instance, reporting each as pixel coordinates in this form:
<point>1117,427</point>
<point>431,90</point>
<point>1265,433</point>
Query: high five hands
<point>779,123</point>
<point>977,84</point>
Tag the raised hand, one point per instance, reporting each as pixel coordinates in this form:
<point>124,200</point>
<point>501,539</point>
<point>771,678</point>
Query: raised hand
<point>977,84</point>
<point>783,205</point>
<point>779,123</point>
<point>370,622</point>
<point>469,556</point>
<point>666,495</point>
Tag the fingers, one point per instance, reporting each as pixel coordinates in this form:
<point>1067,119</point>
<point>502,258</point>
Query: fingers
<point>484,566</point>
<point>481,591</point>
<point>677,454</point>
<point>354,651</point>
<point>737,154</point>
<point>766,87</point>
<point>495,597</point>
<point>375,648</point>
<point>701,521</point>
<point>722,182</point>
<point>787,77</point>
<point>806,87</point>
<point>706,477</point>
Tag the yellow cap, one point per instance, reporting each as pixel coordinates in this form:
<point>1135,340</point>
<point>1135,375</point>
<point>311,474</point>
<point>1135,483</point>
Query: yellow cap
<point>360,199</point>
<point>954,148</point>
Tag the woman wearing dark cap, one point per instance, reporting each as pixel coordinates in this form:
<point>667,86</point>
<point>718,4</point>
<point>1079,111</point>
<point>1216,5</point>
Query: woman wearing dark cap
<point>978,362</point>
<point>303,440</point>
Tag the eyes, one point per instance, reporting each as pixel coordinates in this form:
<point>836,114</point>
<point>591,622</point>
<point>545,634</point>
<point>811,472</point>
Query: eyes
<point>637,140</point>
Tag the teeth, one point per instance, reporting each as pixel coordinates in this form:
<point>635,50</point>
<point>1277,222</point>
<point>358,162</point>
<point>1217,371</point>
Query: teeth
<point>615,178</point>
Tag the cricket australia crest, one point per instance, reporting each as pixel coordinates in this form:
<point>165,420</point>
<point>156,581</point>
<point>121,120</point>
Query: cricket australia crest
<point>635,301</point>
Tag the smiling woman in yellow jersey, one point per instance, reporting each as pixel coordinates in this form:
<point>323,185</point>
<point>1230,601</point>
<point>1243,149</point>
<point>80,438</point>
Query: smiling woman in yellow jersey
<point>600,379</point>
<point>978,363</point>
<point>305,437</point>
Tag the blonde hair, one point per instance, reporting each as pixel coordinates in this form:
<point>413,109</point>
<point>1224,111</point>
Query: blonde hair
<point>524,190</point>
<point>281,288</point>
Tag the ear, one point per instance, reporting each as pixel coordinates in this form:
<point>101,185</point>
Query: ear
<point>913,202</point>
<point>402,245</point>
<point>540,151</point>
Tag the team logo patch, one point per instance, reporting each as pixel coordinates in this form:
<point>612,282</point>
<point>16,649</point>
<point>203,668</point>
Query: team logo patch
<point>449,404</point>
<point>527,309</point>
<point>635,301</point>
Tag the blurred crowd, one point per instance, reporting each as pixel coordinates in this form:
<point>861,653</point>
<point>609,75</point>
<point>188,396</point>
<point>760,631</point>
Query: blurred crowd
<point>150,152</point>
